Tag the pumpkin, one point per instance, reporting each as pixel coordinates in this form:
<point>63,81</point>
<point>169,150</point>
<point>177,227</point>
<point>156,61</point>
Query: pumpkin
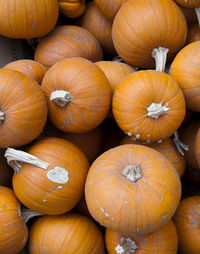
<point>70,233</point>
<point>78,95</point>
<point>185,69</point>
<point>27,18</point>
<point>148,105</point>
<point>5,171</point>
<point>128,181</point>
<point>109,8</point>
<point>29,68</point>
<point>66,42</point>
<point>139,40</point>
<point>52,176</point>
<point>94,21</point>
<point>187,223</point>
<point>167,148</point>
<point>72,8</point>
<point>193,33</point>
<point>163,241</point>
<point>23,109</point>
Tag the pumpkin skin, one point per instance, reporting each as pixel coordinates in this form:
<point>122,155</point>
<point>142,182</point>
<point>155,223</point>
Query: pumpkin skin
<point>133,100</point>
<point>66,42</point>
<point>90,92</point>
<point>154,31</point>
<point>123,205</point>
<point>27,19</point>
<point>193,33</point>
<point>72,8</point>
<point>46,196</point>
<point>185,69</point>
<point>189,3</point>
<point>67,232</point>
<point>13,230</point>
<point>187,223</point>
<point>24,106</point>
<point>94,21</point>
<point>5,171</point>
<point>167,148</point>
<point>29,68</point>
<point>164,241</point>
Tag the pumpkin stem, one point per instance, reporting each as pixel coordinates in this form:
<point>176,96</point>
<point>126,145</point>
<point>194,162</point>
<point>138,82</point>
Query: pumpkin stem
<point>127,246</point>
<point>16,157</point>
<point>27,214</point>
<point>2,117</point>
<point>61,97</point>
<point>155,110</point>
<point>160,55</point>
<point>180,144</point>
<point>197,10</point>
<point>132,172</point>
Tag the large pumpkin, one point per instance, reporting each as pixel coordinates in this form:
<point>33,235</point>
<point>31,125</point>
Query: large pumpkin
<point>72,8</point>
<point>27,18</point>
<point>139,40</point>
<point>187,222</point>
<point>65,42</point>
<point>132,189</point>
<point>51,181</point>
<point>71,233</point>
<point>78,95</point>
<point>23,109</point>
<point>185,69</point>
<point>163,241</point>
<point>148,105</point>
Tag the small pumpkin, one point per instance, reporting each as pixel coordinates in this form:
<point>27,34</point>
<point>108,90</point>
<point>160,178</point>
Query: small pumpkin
<point>163,241</point>
<point>72,8</point>
<point>148,105</point>
<point>24,19</point>
<point>49,178</point>
<point>5,171</point>
<point>29,68</point>
<point>94,21</point>
<point>70,233</point>
<point>66,42</point>
<point>78,95</point>
<point>187,223</point>
<point>193,33</point>
<point>185,69</point>
<point>128,181</point>
<point>23,109</point>
<point>139,40</point>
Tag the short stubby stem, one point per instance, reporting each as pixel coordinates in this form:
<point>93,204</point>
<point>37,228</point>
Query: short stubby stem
<point>132,172</point>
<point>160,55</point>
<point>127,246</point>
<point>197,10</point>
<point>155,110</point>
<point>2,117</point>
<point>180,145</point>
<point>28,214</point>
<point>61,97</point>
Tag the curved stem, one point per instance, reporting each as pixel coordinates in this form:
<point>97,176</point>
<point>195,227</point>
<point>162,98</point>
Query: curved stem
<point>127,245</point>
<point>132,172</point>
<point>28,214</point>
<point>16,157</point>
<point>197,10</point>
<point>180,145</point>
<point>61,97</point>
<point>160,55</point>
<point>155,110</point>
<point>2,117</point>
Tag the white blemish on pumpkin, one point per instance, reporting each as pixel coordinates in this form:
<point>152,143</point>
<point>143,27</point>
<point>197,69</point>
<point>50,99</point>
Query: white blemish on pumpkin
<point>30,67</point>
<point>148,135</point>
<point>103,211</point>
<point>44,200</point>
<point>161,198</point>
<point>58,175</point>
<point>130,134</point>
<point>144,180</point>
<point>137,136</point>
<point>127,245</point>
<point>159,141</point>
<point>164,217</point>
<point>155,110</point>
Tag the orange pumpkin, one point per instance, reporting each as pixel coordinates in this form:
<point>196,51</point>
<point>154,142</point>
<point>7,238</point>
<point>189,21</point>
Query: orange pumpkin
<point>23,109</point>
<point>127,182</point>
<point>139,40</point>
<point>13,230</point>
<point>163,241</point>
<point>51,181</point>
<point>167,148</point>
<point>94,21</point>
<point>193,33</point>
<point>187,222</point>
<point>27,18</point>
<point>66,42</point>
<point>5,171</point>
<point>148,105</point>
<point>29,68</point>
<point>72,8</point>
<point>71,233</point>
<point>78,95</point>
<point>185,69</point>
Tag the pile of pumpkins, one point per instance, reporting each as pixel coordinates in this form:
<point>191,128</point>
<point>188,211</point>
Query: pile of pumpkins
<point>98,129</point>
